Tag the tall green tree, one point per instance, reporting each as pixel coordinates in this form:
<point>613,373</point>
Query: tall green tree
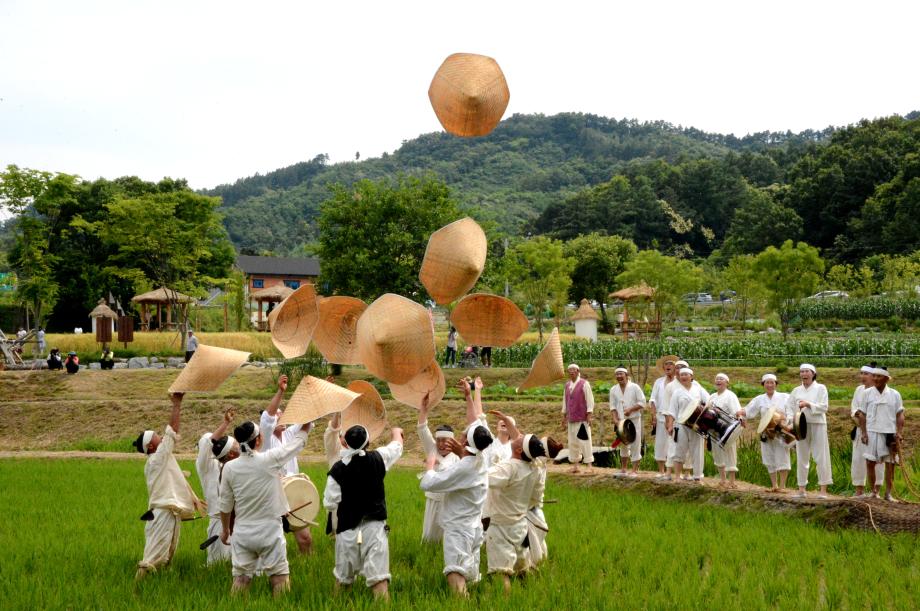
<point>373,236</point>
<point>739,276</point>
<point>759,222</point>
<point>598,261</point>
<point>669,276</point>
<point>788,274</point>
<point>541,274</point>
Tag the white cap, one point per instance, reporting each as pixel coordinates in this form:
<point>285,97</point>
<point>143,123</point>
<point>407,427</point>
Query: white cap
<point>809,367</point>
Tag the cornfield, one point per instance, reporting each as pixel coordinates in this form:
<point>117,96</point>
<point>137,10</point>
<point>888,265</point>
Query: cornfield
<point>858,309</point>
<point>898,351</point>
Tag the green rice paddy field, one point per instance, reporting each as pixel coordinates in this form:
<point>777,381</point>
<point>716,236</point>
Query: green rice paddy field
<point>70,538</point>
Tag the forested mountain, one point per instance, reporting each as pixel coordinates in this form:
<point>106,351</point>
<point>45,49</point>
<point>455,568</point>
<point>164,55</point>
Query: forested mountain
<point>512,175</point>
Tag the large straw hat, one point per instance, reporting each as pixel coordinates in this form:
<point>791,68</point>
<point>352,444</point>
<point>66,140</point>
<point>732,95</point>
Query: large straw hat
<point>469,94</point>
<point>395,338</point>
<point>315,398</point>
<point>547,367</point>
<point>208,368</point>
<point>454,259</point>
<point>488,320</point>
<point>336,333</point>
<point>366,410</point>
<point>429,380</point>
<point>659,364</point>
<point>293,321</point>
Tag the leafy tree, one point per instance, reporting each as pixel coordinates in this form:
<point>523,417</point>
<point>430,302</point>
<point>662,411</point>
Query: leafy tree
<point>788,274</point>
<point>887,222</point>
<point>669,276</point>
<point>759,222</point>
<point>541,273</point>
<point>373,237</point>
<point>739,276</point>
<point>857,281</point>
<point>598,261</point>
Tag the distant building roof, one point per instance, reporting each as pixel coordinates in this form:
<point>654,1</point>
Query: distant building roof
<point>278,266</point>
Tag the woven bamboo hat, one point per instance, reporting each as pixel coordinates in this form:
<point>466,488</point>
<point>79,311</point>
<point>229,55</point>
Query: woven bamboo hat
<point>208,368</point>
<point>469,94</point>
<point>336,332</point>
<point>659,364</point>
<point>547,367</point>
<point>293,321</point>
<point>488,320</point>
<point>454,259</point>
<point>429,380</point>
<point>315,398</point>
<point>395,338</point>
<point>366,410</point>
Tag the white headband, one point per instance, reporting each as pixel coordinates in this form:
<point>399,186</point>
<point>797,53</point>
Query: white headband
<point>686,369</point>
<point>526,448</point>
<point>227,447</point>
<point>767,376</point>
<point>619,369</point>
<point>866,369</point>
<point>809,367</point>
<point>681,364</point>
<point>723,376</point>
<point>443,435</point>
<point>148,437</point>
<point>573,366</point>
<point>881,372</point>
<point>255,435</point>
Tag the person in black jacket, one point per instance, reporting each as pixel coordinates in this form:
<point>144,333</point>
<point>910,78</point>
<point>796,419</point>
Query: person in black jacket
<point>355,492</point>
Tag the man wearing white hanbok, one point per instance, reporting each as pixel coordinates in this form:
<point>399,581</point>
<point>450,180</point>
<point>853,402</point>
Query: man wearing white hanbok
<point>437,445</point>
<point>811,399</point>
<point>577,407</point>
<point>627,400</point>
<point>688,442</point>
<point>659,407</point>
<point>725,459</point>
<point>208,467</point>
<point>774,453</point>
<point>858,461</point>
<point>881,423</point>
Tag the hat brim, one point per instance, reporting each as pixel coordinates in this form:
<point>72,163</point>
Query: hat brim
<point>367,410</point>
<point>293,321</point>
<point>395,338</point>
<point>429,380</point>
<point>336,332</point>
<point>488,320</point>
<point>547,367</point>
<point>315,398</point>
<point>208,368</point>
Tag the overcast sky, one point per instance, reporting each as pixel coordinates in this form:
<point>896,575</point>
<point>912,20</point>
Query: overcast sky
<point>214,91</point>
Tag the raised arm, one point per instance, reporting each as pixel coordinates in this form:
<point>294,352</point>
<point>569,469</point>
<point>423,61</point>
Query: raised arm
<point>275,403</point>
<point>393,450</point>
<point>513,432</point>
<point>176,399</point>
<point>280,455</point>
<point>221,429</point>
<point>471,413</point>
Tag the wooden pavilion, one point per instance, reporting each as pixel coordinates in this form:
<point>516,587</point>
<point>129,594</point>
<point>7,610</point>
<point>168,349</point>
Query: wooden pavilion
<point>640,293</point>
<point>273,294</point>
<point>160,297</point>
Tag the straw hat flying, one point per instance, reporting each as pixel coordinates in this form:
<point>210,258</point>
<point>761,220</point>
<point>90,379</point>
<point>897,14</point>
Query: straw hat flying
<point>293,321</point>
<point>469,94</point>
<point>208,368</point>
<point>315,398</point>
<point>336,332</point>
<point>547,367</point>
<point>395,338</point>
<point>454,260</point>
<point>429,380</point>
<point>488,320</point>
<point>367,410</point>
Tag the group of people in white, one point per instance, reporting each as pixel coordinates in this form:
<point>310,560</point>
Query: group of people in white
<point>796,420</point>
<point>479,489</point>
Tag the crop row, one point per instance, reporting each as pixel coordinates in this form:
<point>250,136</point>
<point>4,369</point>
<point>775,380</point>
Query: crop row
<point>858,309</point>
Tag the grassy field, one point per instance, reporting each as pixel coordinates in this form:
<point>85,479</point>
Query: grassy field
<point>71,538</point>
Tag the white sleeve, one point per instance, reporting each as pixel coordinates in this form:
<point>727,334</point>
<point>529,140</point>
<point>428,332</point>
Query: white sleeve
<point>448,480</point>
<point>429,446</point>
<point>267,427</point>
<point>613,402</point>
<point>821,404</point>
<point>734,405</point>
<point>898,403</point>
<point>704,396</point>
<point>226,501</point>
<point>331,444</point>
<point>639,395</point>
<point>202,461</point>
<point>279,456</point>
<point>589,396</point>
<point>500,474</point>
<point>390,453</point>
<point>332,495</point>
<point>563,399</point>
<point>654,399</point>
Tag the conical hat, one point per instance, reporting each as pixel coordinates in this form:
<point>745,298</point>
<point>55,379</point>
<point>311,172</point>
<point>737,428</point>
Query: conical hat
<point>315,398</point>
<point>547,367</point>
<point>454,259</point>
<point>469,94</point>
<point>488,320</point>
<point>293,321</point>
<point>208,368</point>
<point>367,410</point>
<point>659,364</point>
<point>429,380</point>
<point>395,338</point>
<point>336,333</point>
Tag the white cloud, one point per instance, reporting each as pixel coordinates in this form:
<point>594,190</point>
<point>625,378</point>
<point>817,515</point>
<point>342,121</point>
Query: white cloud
<point>214,91</point>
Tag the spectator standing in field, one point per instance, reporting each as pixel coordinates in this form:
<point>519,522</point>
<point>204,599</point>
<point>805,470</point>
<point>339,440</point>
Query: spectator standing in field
<point>450,354</point>
<point>811,399</point>
<point>72,364</point>
<point>725,459</point>
<point>171,498</point>
<point>191,345</point>
<point>577,407</point>
<point>40,336</point>
<point>659,408</point>
<point>858,462</point>
<point>485,355</point>
<point>881,423</point>
<point>774,453</point>
<point>355,492</point>
<point>54,359</point>
<point>626,403</point>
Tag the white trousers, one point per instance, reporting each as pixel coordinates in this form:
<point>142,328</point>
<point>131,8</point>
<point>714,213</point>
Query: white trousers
<point>774,454</point>
<point>363,550</point>
<point>877,450</point>
<point>431,527</point>
<point>580,450</point>
<point>537,551</point>
<point>161,537</point>
<point>858,464</point>
<point>661,441</point>
<point>505,548</point>
<point>688,449</point>
<point>726,457</point>
<point>815,445</point>
<point>258,548</point>
<point>462,550</point>
<point>633,451</point>
<point>217,551</point>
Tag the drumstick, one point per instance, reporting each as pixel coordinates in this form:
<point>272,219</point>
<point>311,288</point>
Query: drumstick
<point>299,519</point>
<point>207,542</point>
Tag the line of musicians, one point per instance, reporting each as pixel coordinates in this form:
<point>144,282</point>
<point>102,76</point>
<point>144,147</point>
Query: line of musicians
<point>479,491</point>
<point>686,417</point>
